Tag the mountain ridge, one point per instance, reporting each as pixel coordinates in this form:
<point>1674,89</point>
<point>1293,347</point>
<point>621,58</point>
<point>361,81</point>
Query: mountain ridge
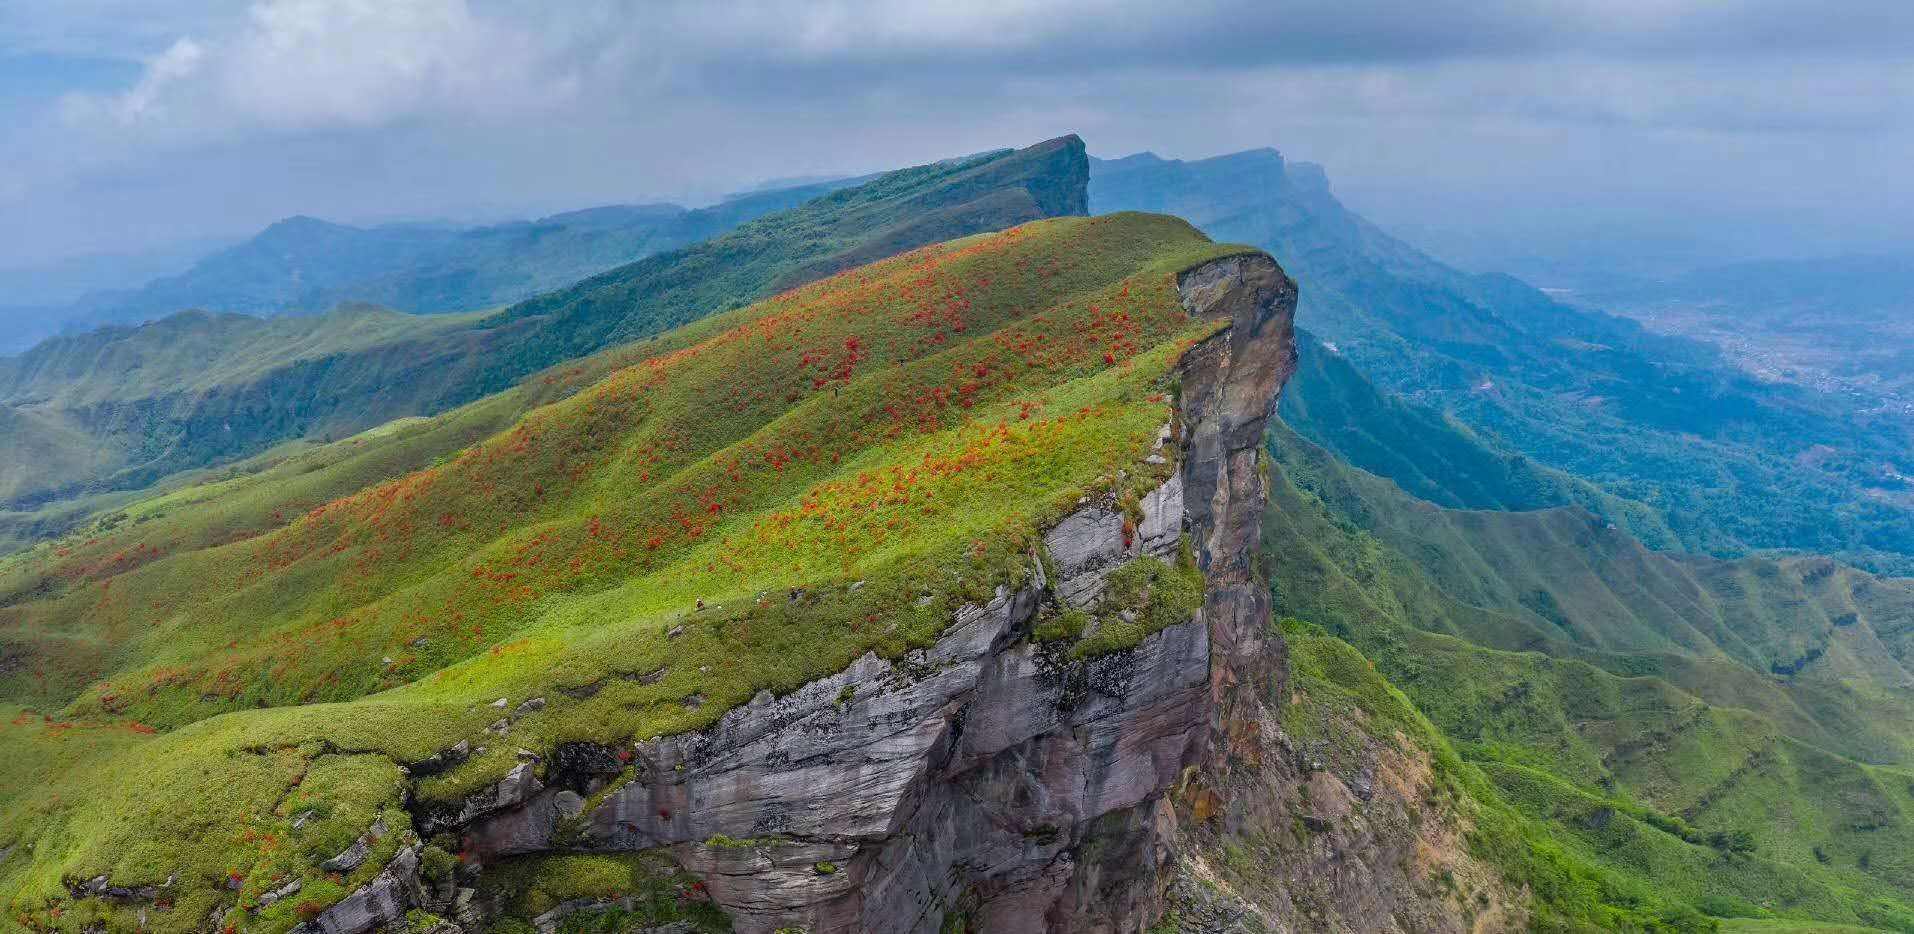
<point>429,364</point>
<point>304,264</point>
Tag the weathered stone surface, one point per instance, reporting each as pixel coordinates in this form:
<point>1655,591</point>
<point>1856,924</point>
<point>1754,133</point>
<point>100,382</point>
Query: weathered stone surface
<point>1329,798</point>
<point>1162,525</point>
<point>1349,834</point>
<point>353,856</point>
<point>348,858</point>
<point>519,785</point>
<point>1086,546</point>
<point>1090,543</point>
<point>285,891</point>
<point>382,901</point>
<point>1230,384</point>
<point>441,760</point>
<point>981,752</point>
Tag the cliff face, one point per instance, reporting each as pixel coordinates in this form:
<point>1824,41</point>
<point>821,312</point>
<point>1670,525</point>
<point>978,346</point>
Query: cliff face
<point>1340,817</point>
<point>1229,388</point>
<point>994,777</point>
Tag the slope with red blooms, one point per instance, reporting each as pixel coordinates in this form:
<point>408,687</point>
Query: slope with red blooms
<point>886,442</point>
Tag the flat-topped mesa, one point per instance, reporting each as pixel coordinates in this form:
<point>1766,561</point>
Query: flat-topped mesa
<point>996,774</point>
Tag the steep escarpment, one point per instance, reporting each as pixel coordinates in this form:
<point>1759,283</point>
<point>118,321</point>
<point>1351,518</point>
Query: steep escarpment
<point>1014,775</point>
<point>890,597</point>
<point>1345,816</point>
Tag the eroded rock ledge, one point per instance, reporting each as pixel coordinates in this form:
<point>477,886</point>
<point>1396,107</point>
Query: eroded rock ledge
<point>990,774</point>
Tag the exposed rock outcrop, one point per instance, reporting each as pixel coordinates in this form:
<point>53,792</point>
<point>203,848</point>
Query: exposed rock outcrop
<point>968,774</point>
<point>990,775</point>
<point>380,902</point>
<point>1353,833</point>
<point>1229,388</point>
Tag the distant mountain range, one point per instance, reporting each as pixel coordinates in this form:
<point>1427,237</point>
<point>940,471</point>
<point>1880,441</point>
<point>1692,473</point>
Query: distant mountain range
<point>118,408</point>
<point>1662,425</point>
<point>1733,462</point>
<point>307,265</point>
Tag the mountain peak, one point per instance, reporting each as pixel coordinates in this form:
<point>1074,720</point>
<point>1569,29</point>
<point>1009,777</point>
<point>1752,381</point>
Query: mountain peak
<point>301,224</point>
<point>1309,176</point>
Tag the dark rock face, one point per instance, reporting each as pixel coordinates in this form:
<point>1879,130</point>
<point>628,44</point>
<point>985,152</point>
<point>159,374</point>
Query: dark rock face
<point>969,774</point>
<point>382,901</point>
<point>1230,385</point>
<point>990,775</point>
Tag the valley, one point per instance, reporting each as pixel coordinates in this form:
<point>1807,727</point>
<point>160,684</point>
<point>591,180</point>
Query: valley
<point>1836,325</point>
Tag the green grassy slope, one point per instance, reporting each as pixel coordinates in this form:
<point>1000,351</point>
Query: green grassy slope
<point>1732,463</point>
<point>338,379</point>
<point>194,352</point>
<point>1432,456</point>
<point>905,427</point>
<point>1340,702</point>
<point>1702,726</point>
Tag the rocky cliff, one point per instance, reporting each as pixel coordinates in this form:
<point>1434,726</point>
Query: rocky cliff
<point>995,779</point>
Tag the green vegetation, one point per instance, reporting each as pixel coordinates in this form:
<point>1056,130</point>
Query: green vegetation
<point>1434,457</point>
<point>745,504</point>
<point>264,383</point>
<point>1340,696</point>
<point>625,891</point>
<point>1697,727</point>
<point>658,524</point>
<point>1143,596</point>
<point>1732,735</point>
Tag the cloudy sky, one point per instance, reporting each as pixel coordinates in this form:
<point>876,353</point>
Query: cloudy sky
<point>129,124</point>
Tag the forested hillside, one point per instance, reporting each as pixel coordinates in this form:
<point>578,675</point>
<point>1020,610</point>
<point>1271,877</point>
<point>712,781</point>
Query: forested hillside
<point>1736,734</point>
<point>612,601</point>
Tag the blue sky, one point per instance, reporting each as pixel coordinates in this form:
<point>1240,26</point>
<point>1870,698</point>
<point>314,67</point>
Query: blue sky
<point>129,123</point>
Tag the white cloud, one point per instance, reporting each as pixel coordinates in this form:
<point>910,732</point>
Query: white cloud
<point>305,63</point>
<point>145,101</point>
<point>245,110</point>
<point>297,65</point>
